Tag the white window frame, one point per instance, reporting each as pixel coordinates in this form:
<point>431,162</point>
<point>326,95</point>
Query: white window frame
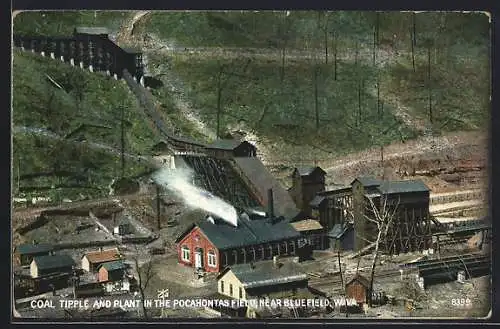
<point>212,258</point>
<point>185,250</point>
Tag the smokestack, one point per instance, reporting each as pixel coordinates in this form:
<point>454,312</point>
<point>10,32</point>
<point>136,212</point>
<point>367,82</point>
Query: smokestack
<point>270,203</point>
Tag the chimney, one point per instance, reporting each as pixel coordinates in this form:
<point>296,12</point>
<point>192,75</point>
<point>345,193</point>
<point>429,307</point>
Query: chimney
<point>270,204</point>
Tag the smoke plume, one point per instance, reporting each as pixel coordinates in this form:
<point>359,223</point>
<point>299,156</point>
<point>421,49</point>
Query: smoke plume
<point>179,182</point>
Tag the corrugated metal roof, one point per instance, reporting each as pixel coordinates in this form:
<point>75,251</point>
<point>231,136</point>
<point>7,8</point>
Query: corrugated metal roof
<point>226,144</point>
<point>338,230</point>
<point>406,186</point>
<point>262,180</point>
<point>367,181</point>
<point>103,256</point>
<point>318,199</point>
<point>306,171</point>
<point>248,232</point>
<point>112,266</point>
<point>91,30</point>
<point>267,274</point>
<point>55,261</point>
<point>27,249</point>
<point>307,225</point>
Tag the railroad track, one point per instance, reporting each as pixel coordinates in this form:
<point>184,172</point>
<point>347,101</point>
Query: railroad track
<point>332,283</point>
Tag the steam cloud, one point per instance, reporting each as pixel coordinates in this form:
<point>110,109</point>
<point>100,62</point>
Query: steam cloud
<point>178,181</point>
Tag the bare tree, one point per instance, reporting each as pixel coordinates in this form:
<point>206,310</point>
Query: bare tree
<point>413,40</point>
<point>381,214</point>
<point>144,276</point>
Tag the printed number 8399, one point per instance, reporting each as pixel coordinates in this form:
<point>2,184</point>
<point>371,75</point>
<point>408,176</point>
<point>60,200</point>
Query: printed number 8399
<point>461,302</point>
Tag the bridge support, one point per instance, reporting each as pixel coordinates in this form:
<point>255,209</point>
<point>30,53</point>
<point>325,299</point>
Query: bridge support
<point>142,81</point>
<point>62,58</point>
<point>52,55</point>
<point>22,48</point>
<point>108,73</point>
<point>81,65</point>
<point>91,69</point>
<point>42,53</point>
<point>72,61</point>
<point>115,76</point>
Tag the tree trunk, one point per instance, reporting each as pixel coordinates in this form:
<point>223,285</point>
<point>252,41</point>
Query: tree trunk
<point>122,109</point>
<point>316,106</point>
<point>359,104</point>
<point>219,100</point>
<point>325,36</point>
<point>374,263</point>
<point>429,82</point>
<point>283,47</point>
<point>378,95</point>
<point>334,56</point>
<point>413,52</point>
<point>414,23</point>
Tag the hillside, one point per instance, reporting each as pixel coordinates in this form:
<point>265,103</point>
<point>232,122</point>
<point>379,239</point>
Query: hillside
<point>67,128</point>
<point>305,86</point>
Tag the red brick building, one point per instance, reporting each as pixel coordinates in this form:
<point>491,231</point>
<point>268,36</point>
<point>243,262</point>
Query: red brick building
<point>213,244</point>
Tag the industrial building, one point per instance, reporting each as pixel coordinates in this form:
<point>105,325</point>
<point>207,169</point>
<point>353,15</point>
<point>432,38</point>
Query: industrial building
<point>212,244</point>
<point>92,260</point>
<point>24,253</point>
<point>51,264</point>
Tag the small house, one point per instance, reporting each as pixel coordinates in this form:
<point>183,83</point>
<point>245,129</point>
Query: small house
<point>111,271</point>
<point>341,237</point>
<point>24,253</point>
<point>358,288</point>
<point>51,264</point>
<point>92,260</point>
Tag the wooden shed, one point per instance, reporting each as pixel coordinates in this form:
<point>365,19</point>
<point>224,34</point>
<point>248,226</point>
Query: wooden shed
<point>358,288</point>
<point>92,260</point>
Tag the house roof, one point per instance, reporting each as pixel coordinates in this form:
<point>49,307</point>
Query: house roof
<point>248,232</point>
<point>318,199</point>
<point>112,266</point>
<point>405,186</point>
<point>53,261</point>
<point>30,249</point>
<point>361,279</point>
<point>91,30</point>
<point>307,225</point>
<point>131,50</point>
<point>367,181</point>
<point>226,144</point>
<point>266,274</point>
<point>338,230</point>
<point>306,171</point>
<point>262,180</point>
<point>109,255</point>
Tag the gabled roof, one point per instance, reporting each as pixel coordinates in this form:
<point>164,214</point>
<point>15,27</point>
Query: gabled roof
<point>338,230</point>
<point>361,279</point>
<point>227,144</point>
<point>367,181</point>
<point>112,266</point>
<point>307,225</point>
<point>405,186</point>
<point>53,261</point>
<point>318,199</point>
<point>306,171</point>
<point>96,257</point>
<point>265,274</point>
<point>30,249</point>
<point>91,30</point>
<point>247,233</point>
<point>262,180</point>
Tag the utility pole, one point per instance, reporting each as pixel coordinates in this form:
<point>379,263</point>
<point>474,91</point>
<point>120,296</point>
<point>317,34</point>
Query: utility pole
<point>429,81</point>
<point>158,207</point>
